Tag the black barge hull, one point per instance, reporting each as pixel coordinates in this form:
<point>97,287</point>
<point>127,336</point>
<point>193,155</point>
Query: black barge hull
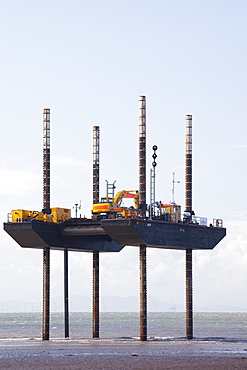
<point>162,234</point>
<point>86,236</point>
<point>111,235</point>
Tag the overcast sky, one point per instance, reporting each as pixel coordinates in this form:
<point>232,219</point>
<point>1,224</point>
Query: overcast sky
<point>88,61</point>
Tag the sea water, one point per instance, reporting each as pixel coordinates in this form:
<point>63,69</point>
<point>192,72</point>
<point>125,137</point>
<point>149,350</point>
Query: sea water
<point>166,326</point>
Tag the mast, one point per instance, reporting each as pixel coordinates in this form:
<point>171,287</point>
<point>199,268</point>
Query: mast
<point>46,161</point>
<point>46,210</point>
<point>142,156</point>
<point>188,166</point>
<point>96,143</point>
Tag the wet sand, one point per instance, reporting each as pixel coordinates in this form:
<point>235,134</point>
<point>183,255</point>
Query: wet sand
<point>121,354</point>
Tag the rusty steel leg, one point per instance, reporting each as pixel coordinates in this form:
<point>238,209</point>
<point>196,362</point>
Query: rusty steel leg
<point>66,295</point>
<point>143,293</point>
<point>46,294</point>
<point>95,294</point>
<point>189,295</point>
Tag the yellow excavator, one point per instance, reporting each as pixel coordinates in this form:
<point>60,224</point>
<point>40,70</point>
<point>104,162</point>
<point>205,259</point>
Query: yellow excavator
<point>112,207</point>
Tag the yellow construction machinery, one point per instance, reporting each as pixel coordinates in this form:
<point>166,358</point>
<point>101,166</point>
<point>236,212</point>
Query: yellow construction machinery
<point>112,207</point>
<point>169,212</point>
<point>57,215</point>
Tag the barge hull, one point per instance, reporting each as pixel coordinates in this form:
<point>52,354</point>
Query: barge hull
<point>69,236</point>
<point>162,234</point>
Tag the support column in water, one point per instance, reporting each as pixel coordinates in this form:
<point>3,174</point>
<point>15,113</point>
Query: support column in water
<point>46,294</point>
<point>142,209</point>
<point>95,293</point>
<point>189,295</point>
<point>66,294</point>
<point>188,218</point>
<point>143,293</point>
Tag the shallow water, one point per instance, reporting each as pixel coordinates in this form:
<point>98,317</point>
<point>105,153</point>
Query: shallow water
<point>163,326</point>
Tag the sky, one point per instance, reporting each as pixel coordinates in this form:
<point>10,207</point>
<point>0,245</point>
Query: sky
<point>88,61</point>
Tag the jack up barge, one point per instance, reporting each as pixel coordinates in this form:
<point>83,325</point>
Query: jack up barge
<point>110,233</point>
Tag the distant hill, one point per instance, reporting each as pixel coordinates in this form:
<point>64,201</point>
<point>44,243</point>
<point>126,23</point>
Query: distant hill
<point>111,304</point>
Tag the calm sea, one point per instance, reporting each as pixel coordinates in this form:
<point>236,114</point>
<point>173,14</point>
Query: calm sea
<point>207,326</point>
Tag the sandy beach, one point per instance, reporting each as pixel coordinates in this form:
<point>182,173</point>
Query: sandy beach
<point>121,354</point>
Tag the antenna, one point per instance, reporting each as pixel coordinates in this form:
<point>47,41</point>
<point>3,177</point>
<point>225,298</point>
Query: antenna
<point>152,184</point>
<point>77,206</point>
<point>173,187</point>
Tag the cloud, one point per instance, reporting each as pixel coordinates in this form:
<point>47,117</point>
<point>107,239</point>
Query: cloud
<point>71,162</point>
<point>220,274</point>
<point>238,215</point>
<point>16,182</point>
<point>240,146</point>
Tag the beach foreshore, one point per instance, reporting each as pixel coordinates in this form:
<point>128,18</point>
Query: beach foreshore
<point>121,354</point>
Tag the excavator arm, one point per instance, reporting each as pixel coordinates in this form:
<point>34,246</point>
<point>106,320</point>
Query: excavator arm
<point>133,194</point>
